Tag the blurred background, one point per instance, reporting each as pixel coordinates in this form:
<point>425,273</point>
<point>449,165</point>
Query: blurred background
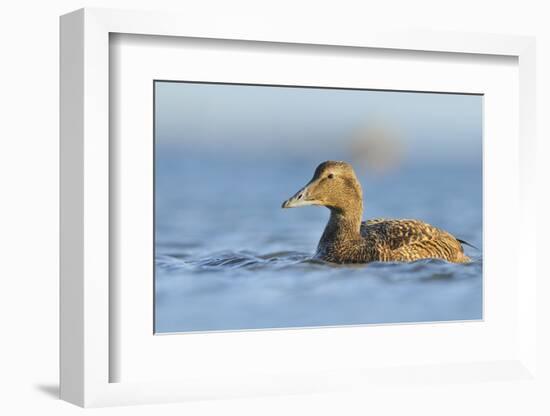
<point>226,156</point>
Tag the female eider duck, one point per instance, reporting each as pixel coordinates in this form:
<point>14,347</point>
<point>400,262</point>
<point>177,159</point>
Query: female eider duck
<point>348,240</point>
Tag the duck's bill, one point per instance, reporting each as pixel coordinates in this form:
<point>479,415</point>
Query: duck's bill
<point>300,199</point>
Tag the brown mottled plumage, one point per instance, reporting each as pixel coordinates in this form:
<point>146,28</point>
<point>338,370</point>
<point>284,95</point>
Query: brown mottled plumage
<point>348,240</point>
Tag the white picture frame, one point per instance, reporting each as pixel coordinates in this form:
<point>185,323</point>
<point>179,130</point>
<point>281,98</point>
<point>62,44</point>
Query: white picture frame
<point>87,356</point>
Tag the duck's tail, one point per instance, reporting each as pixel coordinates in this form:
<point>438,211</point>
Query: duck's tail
<point>467,244</point>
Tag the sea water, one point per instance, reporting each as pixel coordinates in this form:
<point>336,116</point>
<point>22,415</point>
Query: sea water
<point>227,257</point>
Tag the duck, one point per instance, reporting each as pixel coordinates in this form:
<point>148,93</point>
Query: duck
<point>347,239</point>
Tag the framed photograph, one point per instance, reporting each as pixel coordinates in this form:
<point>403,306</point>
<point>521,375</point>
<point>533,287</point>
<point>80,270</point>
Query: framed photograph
<point>184,274</point>
<point>228,258</point>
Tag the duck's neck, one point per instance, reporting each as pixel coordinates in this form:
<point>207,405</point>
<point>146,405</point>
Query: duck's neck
<point>343,225</point>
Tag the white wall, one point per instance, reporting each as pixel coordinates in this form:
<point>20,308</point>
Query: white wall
<point>29,189</point>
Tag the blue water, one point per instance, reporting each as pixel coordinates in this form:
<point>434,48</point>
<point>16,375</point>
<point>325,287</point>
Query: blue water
<point>229,258</point>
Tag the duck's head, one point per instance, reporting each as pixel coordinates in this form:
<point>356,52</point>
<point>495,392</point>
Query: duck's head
<point>334,185</point>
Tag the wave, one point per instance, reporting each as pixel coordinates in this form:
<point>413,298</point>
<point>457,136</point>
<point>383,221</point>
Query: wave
<point>233,260</point>
<point>429,269</point>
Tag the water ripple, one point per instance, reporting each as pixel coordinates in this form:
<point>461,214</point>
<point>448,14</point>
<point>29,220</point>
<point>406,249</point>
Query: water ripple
<point>247,261</point>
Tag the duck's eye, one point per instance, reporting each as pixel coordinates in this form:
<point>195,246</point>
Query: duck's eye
<point>330,175</point>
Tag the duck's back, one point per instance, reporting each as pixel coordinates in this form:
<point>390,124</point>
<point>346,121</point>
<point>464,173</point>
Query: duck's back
<point>408,240</point>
